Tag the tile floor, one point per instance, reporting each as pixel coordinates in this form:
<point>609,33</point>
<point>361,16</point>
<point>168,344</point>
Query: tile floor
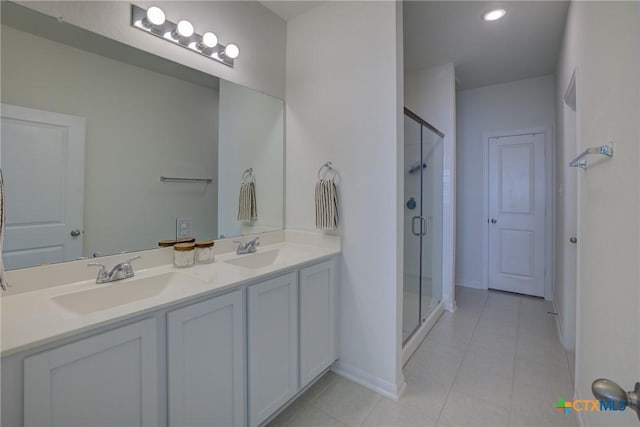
<point>495,362</point>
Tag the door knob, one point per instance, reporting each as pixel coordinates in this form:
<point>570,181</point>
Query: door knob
<point>493,220</point>
<point>75,233</point>
<point>604,389</point>
<point>573,239</point>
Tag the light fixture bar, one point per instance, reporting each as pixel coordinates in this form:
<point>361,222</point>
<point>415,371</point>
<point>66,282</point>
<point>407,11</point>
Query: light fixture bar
<point>169,30</point>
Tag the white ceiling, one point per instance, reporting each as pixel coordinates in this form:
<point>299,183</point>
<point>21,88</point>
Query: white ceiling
<point>524,44</point>
<point>290,9</point>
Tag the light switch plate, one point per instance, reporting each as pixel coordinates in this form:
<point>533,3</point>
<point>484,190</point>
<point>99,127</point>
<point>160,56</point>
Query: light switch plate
<point>183,227</point>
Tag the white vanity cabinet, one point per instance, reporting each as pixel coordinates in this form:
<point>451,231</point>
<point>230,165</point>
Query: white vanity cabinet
<point>205,346</point>
<point>231,358</point>
<point>109,379</point>
<point>272,319</point>
<point>317,320</point>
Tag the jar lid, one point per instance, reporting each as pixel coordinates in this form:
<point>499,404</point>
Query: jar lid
<point>186,240</point>
<point>205,244</point>
<point>166,243</point>
<point>183,247</point>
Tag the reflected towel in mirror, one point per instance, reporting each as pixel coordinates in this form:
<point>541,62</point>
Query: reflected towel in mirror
<point>247,204</point>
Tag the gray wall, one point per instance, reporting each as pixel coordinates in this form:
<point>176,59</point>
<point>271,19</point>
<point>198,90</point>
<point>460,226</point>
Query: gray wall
<point>139,125</point>
<point>260,34</point>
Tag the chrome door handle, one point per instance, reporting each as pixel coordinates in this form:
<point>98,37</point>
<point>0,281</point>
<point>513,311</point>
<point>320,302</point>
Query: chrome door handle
<point>573,239</point>
<point>75,233</point>
<point>607,390</point>
<point>413,225</point>
<point>423,226</point>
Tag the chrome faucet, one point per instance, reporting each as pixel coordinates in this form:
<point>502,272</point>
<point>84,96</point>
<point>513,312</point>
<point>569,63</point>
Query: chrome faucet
<point>247,248</point>
<point>120,271</point>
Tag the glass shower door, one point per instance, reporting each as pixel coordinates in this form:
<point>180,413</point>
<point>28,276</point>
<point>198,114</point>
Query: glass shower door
<point>423,203</point>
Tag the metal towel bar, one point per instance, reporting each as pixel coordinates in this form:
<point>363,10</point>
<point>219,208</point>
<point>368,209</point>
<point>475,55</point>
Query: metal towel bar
<point>173,179</point>
<point>581,160</point>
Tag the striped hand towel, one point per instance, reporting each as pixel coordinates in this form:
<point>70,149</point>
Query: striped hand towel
<point>3,214</point>
<point>247,204</point>
<point>326,205</point>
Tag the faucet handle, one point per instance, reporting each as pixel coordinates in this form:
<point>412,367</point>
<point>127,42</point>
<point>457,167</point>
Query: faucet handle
<point>103,275</point>
<point>96,264</point>
<point>133,259</point>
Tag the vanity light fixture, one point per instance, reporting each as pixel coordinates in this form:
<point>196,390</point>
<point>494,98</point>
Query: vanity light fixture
<point>154,16</point>
<point>494,15</point>
<point>209,41</point>
<point>183,29</point>
<point>231,51</point>
<point>153,21</point>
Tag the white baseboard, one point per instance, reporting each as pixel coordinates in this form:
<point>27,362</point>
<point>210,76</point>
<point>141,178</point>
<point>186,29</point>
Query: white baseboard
<point>380,386</point>
<point>558,323</point>
<point>470,284</point>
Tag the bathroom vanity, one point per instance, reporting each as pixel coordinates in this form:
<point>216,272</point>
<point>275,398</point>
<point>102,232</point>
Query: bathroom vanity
<point>227,344</point>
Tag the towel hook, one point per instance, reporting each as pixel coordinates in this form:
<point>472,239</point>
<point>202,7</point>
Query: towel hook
<point>248,174</point>
<point>329,167</point>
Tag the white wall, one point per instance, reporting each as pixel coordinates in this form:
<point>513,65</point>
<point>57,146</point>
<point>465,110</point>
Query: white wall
<point>564,297</point>
<point>344,105</point>
<point>260,34</point>
<point>523,104</point>
<point>128,119</point>
<point>602,40</point>
<point>431,93</point>
<point>251,135</point>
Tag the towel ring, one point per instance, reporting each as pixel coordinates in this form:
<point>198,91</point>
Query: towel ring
<point>329,168</point>
<point>248,174</point>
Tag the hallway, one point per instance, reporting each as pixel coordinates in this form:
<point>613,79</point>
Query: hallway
<point>496,361</point>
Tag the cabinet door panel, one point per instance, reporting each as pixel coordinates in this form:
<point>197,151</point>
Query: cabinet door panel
<point>206,363</point>
<point>273,345</point>
<point>317,320</point>
<point>105,380</point>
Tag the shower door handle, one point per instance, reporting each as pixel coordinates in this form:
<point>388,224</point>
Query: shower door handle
<point>413,225</point>
<point>423,226</point>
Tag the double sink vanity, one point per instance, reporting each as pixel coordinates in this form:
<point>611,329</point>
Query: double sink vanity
<point>228,343</point>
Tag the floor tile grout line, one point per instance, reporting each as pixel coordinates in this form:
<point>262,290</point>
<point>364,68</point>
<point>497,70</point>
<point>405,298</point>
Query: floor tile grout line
<point>466,351</point>
<point>312,402</point>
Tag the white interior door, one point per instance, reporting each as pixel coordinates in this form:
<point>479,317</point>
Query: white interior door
<point>42,159</point>
<point>517,213</point>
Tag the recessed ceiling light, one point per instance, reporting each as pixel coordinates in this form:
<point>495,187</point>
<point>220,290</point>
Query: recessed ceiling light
<point>494,15</point>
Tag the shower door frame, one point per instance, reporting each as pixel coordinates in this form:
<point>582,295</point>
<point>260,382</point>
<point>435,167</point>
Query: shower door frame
<point>425,322</point>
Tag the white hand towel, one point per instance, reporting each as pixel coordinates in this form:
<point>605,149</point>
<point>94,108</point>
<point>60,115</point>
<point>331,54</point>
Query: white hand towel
<point>247,203</point>
<point>326,205</point>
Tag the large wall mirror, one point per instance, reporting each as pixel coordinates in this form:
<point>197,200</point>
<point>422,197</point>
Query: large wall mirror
<point>89,127</point>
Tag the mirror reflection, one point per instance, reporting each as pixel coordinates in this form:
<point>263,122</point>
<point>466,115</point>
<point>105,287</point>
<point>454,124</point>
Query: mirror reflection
<point>89,126</point>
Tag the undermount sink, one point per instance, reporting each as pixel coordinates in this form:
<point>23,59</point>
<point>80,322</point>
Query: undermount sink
<point>256,260</point>
<point>118,293</point>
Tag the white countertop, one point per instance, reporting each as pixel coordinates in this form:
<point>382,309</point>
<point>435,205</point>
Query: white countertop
<point>31,319</point>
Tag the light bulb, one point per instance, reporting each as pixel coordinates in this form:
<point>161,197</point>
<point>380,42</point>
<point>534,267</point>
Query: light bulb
<point>494,15</point>
<point>209,40</point>
<point>155,15</point>
<point>185,28</point>
<point>232,51</point>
